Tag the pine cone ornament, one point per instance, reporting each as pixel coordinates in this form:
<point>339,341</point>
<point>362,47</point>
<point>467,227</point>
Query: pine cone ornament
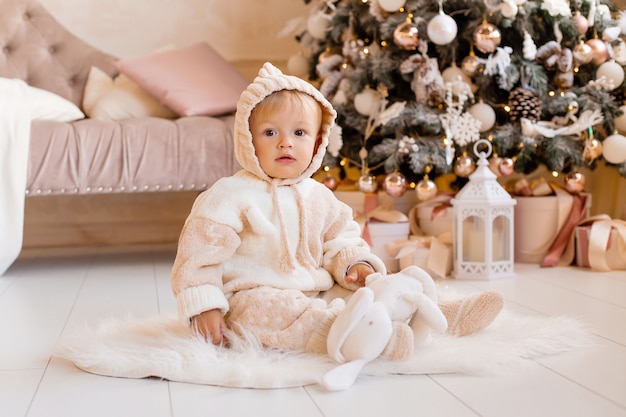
<point>524,103</point>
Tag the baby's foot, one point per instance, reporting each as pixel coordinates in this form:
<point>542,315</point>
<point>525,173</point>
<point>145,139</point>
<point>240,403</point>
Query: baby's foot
<point>472,314</point>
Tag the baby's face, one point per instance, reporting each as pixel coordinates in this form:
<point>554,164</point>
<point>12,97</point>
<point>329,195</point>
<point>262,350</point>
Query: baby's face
<point>285,141</point>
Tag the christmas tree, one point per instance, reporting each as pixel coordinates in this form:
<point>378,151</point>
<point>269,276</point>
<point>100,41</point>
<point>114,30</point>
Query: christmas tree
<point>417,82</point>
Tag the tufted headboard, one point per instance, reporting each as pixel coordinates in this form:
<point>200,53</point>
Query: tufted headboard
<point>39,50</point>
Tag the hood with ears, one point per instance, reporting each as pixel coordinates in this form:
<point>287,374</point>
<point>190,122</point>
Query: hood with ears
<point>269,80</point>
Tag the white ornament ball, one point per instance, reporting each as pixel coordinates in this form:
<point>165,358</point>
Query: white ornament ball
<point>620,122</point>
<point>485,114</point>
<point>611,34</point>
<point>454,73</point>
<point>508,9</point>
<point>298,65</point>
<point>442,29</point>
<point>391,5</point>
<point>366,101</point>
<point>611,71</point>
<point>317,25</point>
<point>614,149</point>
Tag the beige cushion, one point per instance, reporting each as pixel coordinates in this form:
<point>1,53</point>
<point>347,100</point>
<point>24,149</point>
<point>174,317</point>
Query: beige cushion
<point>106,98</point>
<point>191,81</point>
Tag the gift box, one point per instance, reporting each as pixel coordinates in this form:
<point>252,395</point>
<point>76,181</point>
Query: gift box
<point>536,225</point>
<point>432,254</point>
<point>381,234</point>
<point>435,217</point>
<point>357,200</point>
<point>601,244</point>
<point>382,219</point>
<point>537,222</point>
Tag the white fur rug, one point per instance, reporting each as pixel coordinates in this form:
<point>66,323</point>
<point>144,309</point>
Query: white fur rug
<point>161,347</point>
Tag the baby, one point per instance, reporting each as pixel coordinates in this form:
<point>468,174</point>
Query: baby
<point>259,248</point>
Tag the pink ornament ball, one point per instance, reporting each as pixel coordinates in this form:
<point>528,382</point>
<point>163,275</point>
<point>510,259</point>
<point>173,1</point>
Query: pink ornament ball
<point>395,184</point>
<point>575,182</point>
<point>330,182</point>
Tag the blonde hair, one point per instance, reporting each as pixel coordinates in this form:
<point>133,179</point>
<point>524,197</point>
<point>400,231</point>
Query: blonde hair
<point>297,101</point>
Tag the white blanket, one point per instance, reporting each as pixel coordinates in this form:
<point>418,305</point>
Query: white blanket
<point>20,104</point>
<point>161,347</point>
<point>15,122</point>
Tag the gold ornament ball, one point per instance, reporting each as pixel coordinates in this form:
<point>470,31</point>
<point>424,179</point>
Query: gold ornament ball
<point>330,182</point>
<point>395,184</point>
<point>406,36</point>
<point>583,54</point>
<point>464,166</point>
<point>368,184</point>
<point>575,182</point>
<point>599,51</point>
<point>487,38</point>
<point>592,150</point>
<point>494,165</point>
<point>470,65</point>
<point>564,79</point>
<point>426,190</point>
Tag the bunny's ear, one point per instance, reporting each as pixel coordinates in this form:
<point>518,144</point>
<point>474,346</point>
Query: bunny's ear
<point>424,278</point>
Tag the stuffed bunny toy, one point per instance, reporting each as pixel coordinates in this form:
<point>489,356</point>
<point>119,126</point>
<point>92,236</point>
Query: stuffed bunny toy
<point>364,328</point>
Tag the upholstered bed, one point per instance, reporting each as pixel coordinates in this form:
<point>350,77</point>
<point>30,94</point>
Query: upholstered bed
<point>102,181</point>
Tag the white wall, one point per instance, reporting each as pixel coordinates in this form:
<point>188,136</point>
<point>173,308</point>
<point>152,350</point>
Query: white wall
<point>238,29</point>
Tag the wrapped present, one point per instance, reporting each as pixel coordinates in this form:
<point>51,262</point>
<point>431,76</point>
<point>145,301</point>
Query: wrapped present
<point>543,224</point>
<point>433,217</point>
<point>431,253</point>
<point>357,200</point>
<point>380,221</point>
<point>601,243</point>
<point>381,234</point>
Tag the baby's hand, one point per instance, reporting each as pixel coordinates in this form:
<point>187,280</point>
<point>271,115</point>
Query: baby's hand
<point>210,325</point>
<point>358,272</point>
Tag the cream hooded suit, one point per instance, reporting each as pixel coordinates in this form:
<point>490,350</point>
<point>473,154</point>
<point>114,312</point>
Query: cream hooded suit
<point>260,248</point>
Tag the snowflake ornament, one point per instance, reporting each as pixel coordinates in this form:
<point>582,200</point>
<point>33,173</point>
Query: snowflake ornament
<point>461,127</point>
<point>467,129</point>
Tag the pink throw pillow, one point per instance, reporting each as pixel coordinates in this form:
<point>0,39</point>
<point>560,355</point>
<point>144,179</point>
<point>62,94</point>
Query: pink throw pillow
<point>191,81</point>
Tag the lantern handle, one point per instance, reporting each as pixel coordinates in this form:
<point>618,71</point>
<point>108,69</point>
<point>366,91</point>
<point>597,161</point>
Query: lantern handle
<point>483,155</point>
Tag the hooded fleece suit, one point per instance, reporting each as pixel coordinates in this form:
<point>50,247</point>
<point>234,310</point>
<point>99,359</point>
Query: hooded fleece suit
<point>263,249</point>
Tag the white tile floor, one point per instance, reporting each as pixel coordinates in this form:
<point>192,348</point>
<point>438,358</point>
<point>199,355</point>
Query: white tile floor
<point>41,298</point>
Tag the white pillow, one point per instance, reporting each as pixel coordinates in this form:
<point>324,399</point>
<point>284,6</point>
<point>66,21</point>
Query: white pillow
<point>105,98</point>
<point>44,105</point>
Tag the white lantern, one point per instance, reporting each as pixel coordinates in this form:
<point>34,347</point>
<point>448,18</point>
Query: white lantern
<point>483,225</point>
